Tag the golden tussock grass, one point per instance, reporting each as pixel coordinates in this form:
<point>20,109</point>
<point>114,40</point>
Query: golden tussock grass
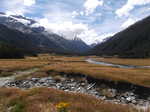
<point>9,66</point>
<point>78,65</point>
<point>45,100</point>
<point>135,76</point>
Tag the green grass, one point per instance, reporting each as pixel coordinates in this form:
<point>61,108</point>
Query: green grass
<point>18,107</point>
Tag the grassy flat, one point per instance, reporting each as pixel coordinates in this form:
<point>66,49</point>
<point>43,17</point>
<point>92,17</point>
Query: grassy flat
<point>7,67</point>
<point>78,65</point>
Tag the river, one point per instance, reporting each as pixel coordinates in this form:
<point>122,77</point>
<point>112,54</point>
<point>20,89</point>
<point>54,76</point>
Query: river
<point>92,61</point>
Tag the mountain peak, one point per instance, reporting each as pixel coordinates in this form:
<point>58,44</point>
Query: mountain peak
<point>76,39</point>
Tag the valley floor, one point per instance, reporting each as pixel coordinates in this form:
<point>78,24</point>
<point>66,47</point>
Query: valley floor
<point>40,84</point>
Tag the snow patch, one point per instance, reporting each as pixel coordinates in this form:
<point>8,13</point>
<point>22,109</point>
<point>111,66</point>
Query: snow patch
<point>35,25</point>
<point>3,15</point>
<point>25,22</point>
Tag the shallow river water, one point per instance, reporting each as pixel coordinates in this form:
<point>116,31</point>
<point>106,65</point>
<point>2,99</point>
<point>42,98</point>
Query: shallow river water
<point>114,65</point>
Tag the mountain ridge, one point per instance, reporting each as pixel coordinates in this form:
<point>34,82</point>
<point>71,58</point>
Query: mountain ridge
<point>132,42</point>
<point>44,40</point>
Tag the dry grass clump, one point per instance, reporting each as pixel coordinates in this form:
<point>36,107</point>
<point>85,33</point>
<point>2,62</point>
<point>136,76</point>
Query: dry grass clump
<point>37,74</point>
<point>45,100</point>
<point>20,64</point>
<point>7,67</point>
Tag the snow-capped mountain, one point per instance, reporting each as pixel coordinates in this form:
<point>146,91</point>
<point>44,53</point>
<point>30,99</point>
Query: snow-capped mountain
<point>40,37</point>
<point>20,23</point>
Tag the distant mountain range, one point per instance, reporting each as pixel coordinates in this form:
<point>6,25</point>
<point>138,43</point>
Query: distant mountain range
<point>133,42</point>
<point>26,34</point>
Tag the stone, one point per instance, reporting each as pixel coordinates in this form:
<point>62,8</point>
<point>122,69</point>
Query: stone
<point>75,86</point>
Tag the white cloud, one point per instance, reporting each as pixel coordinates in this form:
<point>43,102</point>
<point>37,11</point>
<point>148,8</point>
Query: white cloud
<point>19,7</point>
<point>66,28</point>
<point>29,2</point>
<point>69,30</point>
<point>91,5</point>
<point>91,36</point>
<point>124,11</point>
<point>74,14</point>
<point>81,13</point>
<point>98,14</point>
<point>128,23</point>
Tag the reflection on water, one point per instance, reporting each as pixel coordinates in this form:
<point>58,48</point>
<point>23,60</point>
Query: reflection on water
<point>114,65</point>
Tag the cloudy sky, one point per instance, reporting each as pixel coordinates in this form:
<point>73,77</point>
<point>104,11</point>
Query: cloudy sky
<point>91,20</point>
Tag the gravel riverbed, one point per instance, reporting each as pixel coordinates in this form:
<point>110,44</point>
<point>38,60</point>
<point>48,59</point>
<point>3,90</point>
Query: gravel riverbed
<point>73,85</point>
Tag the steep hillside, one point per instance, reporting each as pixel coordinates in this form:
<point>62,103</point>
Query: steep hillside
<point>78,45</point>
<point>30,43</point>
<point>74,46</point>
<point>41,39</point>
<point>132,42</point>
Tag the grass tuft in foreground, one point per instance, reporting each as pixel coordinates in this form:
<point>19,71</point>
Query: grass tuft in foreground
<point>51,100</point>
